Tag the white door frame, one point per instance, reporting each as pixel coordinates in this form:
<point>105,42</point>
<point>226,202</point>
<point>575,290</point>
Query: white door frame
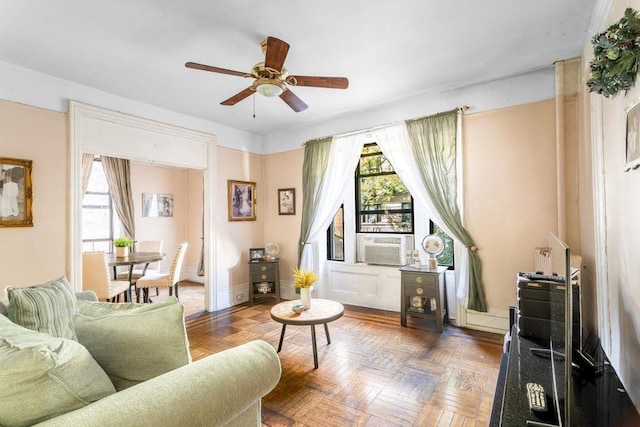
<point>159,143</point>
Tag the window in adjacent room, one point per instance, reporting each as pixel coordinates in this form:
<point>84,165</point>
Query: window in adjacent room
<point>383,203</point>
<point>97,212</point>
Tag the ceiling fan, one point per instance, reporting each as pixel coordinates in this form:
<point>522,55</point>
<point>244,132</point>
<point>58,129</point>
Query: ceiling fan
<point>272,78</point>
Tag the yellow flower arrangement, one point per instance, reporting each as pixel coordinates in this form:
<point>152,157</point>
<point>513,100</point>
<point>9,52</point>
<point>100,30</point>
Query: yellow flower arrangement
<point>303,279</point>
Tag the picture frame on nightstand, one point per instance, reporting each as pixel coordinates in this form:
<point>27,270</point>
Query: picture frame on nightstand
<point>256,254</point>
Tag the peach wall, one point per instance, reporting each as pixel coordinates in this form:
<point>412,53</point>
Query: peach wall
<point>171,230</point>
<point>236,237</point>
<point>510,186</point>
<point>284,170</point>
<point>30,255</point>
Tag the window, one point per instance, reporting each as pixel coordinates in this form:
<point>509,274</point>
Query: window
<point>97,212</point>
<point>335,237</point>
<point>383,203</point>
<point>377,203</point>
<point>446,257</point>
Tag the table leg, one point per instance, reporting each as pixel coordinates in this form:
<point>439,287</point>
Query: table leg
<point>315,347</point>
<point>281,337</point>
<point>326,332</point>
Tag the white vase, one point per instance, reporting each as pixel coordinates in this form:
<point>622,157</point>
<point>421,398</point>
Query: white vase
<point>305,298</point>
<point>122,251</point>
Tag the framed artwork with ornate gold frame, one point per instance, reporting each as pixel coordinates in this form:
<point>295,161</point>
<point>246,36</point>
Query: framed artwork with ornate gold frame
<point>242,200</point>
<point>16,193</point>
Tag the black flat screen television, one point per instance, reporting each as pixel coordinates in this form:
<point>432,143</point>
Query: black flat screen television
<point>561,342</point>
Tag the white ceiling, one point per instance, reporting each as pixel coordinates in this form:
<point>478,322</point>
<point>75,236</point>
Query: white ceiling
<point>388,50</point>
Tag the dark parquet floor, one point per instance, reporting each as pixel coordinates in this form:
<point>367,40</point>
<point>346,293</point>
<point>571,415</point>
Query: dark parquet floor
<point>374,373</point>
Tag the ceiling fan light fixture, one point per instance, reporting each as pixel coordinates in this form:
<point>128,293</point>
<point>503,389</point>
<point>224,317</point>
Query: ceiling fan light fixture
<point>269,87</point>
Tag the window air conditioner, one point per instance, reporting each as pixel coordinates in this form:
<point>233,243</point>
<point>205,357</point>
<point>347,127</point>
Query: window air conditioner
<point>383,249</point>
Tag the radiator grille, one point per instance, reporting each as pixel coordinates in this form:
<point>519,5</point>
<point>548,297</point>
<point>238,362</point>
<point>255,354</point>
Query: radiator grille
<point>542,258</point>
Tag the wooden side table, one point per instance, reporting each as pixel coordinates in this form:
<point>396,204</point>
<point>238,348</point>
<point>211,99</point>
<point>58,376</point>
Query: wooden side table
<point>322,311</point>
<point>422,294</point>
<point>264,272</point>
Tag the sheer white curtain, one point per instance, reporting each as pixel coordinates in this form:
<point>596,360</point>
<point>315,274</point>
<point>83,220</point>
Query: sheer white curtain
<point>396,146</point>
<point>343,158</point>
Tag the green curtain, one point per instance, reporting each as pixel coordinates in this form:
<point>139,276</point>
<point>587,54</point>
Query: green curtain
<point>433,140</point>
<point>316,158</point>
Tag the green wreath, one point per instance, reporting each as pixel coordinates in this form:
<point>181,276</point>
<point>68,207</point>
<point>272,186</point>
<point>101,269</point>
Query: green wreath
<point>616,56</point>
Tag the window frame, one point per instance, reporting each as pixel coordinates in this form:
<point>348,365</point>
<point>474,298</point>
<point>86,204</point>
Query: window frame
<point>359,212</point>
<point>330,238</point>
<point>109,207</point>
<point>432,230</point>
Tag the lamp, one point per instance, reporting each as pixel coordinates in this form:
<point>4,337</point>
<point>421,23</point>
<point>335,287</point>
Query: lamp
<point>269,87</point>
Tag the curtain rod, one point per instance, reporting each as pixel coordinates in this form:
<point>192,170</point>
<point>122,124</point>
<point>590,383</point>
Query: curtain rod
<point>463,109</point>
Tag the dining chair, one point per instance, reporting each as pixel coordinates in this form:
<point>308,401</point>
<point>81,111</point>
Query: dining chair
<point>96,276</point>
<point>163,280</point>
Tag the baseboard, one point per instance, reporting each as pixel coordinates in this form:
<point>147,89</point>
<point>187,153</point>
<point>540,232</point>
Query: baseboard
<point>191,274</point>
<point>496,321</point>
<point>234,295</point>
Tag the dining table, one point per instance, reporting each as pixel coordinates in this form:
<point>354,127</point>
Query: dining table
<point>134,258</point>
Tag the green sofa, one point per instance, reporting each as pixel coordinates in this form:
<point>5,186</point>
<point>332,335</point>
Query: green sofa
<point>224,389</point>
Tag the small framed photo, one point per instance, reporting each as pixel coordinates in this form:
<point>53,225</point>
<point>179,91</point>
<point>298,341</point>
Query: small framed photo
<point>157,205</point>
<point>16,193</point>
<point>256,254</point>
<point>242,200</point>
<point>287,201</point>
<point>632,146</point>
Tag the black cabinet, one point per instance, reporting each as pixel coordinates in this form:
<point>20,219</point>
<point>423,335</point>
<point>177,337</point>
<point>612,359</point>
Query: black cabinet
<point>264,280</point>
<point>422,294</point>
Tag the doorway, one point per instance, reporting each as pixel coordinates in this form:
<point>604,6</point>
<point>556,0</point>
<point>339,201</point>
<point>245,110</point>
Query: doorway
<point>105,132</point>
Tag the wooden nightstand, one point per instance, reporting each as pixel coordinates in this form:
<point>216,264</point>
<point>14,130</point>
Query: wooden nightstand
<point>264,272</point>
<point>422,294</point>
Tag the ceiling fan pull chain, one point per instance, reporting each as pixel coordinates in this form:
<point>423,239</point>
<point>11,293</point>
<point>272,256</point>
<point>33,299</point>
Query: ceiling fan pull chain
<point>254,105</point>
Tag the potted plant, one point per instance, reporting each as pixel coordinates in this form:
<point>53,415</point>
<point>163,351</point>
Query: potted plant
<point>303,281</point>
<point>122,246</point>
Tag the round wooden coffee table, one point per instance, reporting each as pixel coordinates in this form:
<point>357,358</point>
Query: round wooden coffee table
<point>322,311</point>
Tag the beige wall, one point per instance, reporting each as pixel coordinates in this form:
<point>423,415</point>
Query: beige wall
<point>284,170</point>
<point>509,177</point>
<point>510,186</point>
<point>509,200</point>
<point>187,209</point>
<point>616,286</point>
<point>30,255</point>
<point>236,237</point>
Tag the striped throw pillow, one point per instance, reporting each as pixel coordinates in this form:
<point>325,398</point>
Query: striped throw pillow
<point>47,308</point>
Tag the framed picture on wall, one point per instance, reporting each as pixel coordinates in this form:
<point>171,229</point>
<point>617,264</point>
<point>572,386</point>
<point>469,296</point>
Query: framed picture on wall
<point>157,205</point>
<point>632,146</point>
<point>16,193</point>
<point>242,200</point>
<point>287,201</point>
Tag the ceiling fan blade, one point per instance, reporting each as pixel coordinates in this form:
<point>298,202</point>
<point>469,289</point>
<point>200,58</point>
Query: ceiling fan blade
<point>276,53</point>
<point>215,69</point>
<point>239,96</point>
<point>293,101</point>
<point>329,82</point>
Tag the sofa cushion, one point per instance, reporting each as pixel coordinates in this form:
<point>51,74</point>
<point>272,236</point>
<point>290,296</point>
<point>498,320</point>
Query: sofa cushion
<point>42,376</point>
<point>134,342</point>
<point>47,308</point>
